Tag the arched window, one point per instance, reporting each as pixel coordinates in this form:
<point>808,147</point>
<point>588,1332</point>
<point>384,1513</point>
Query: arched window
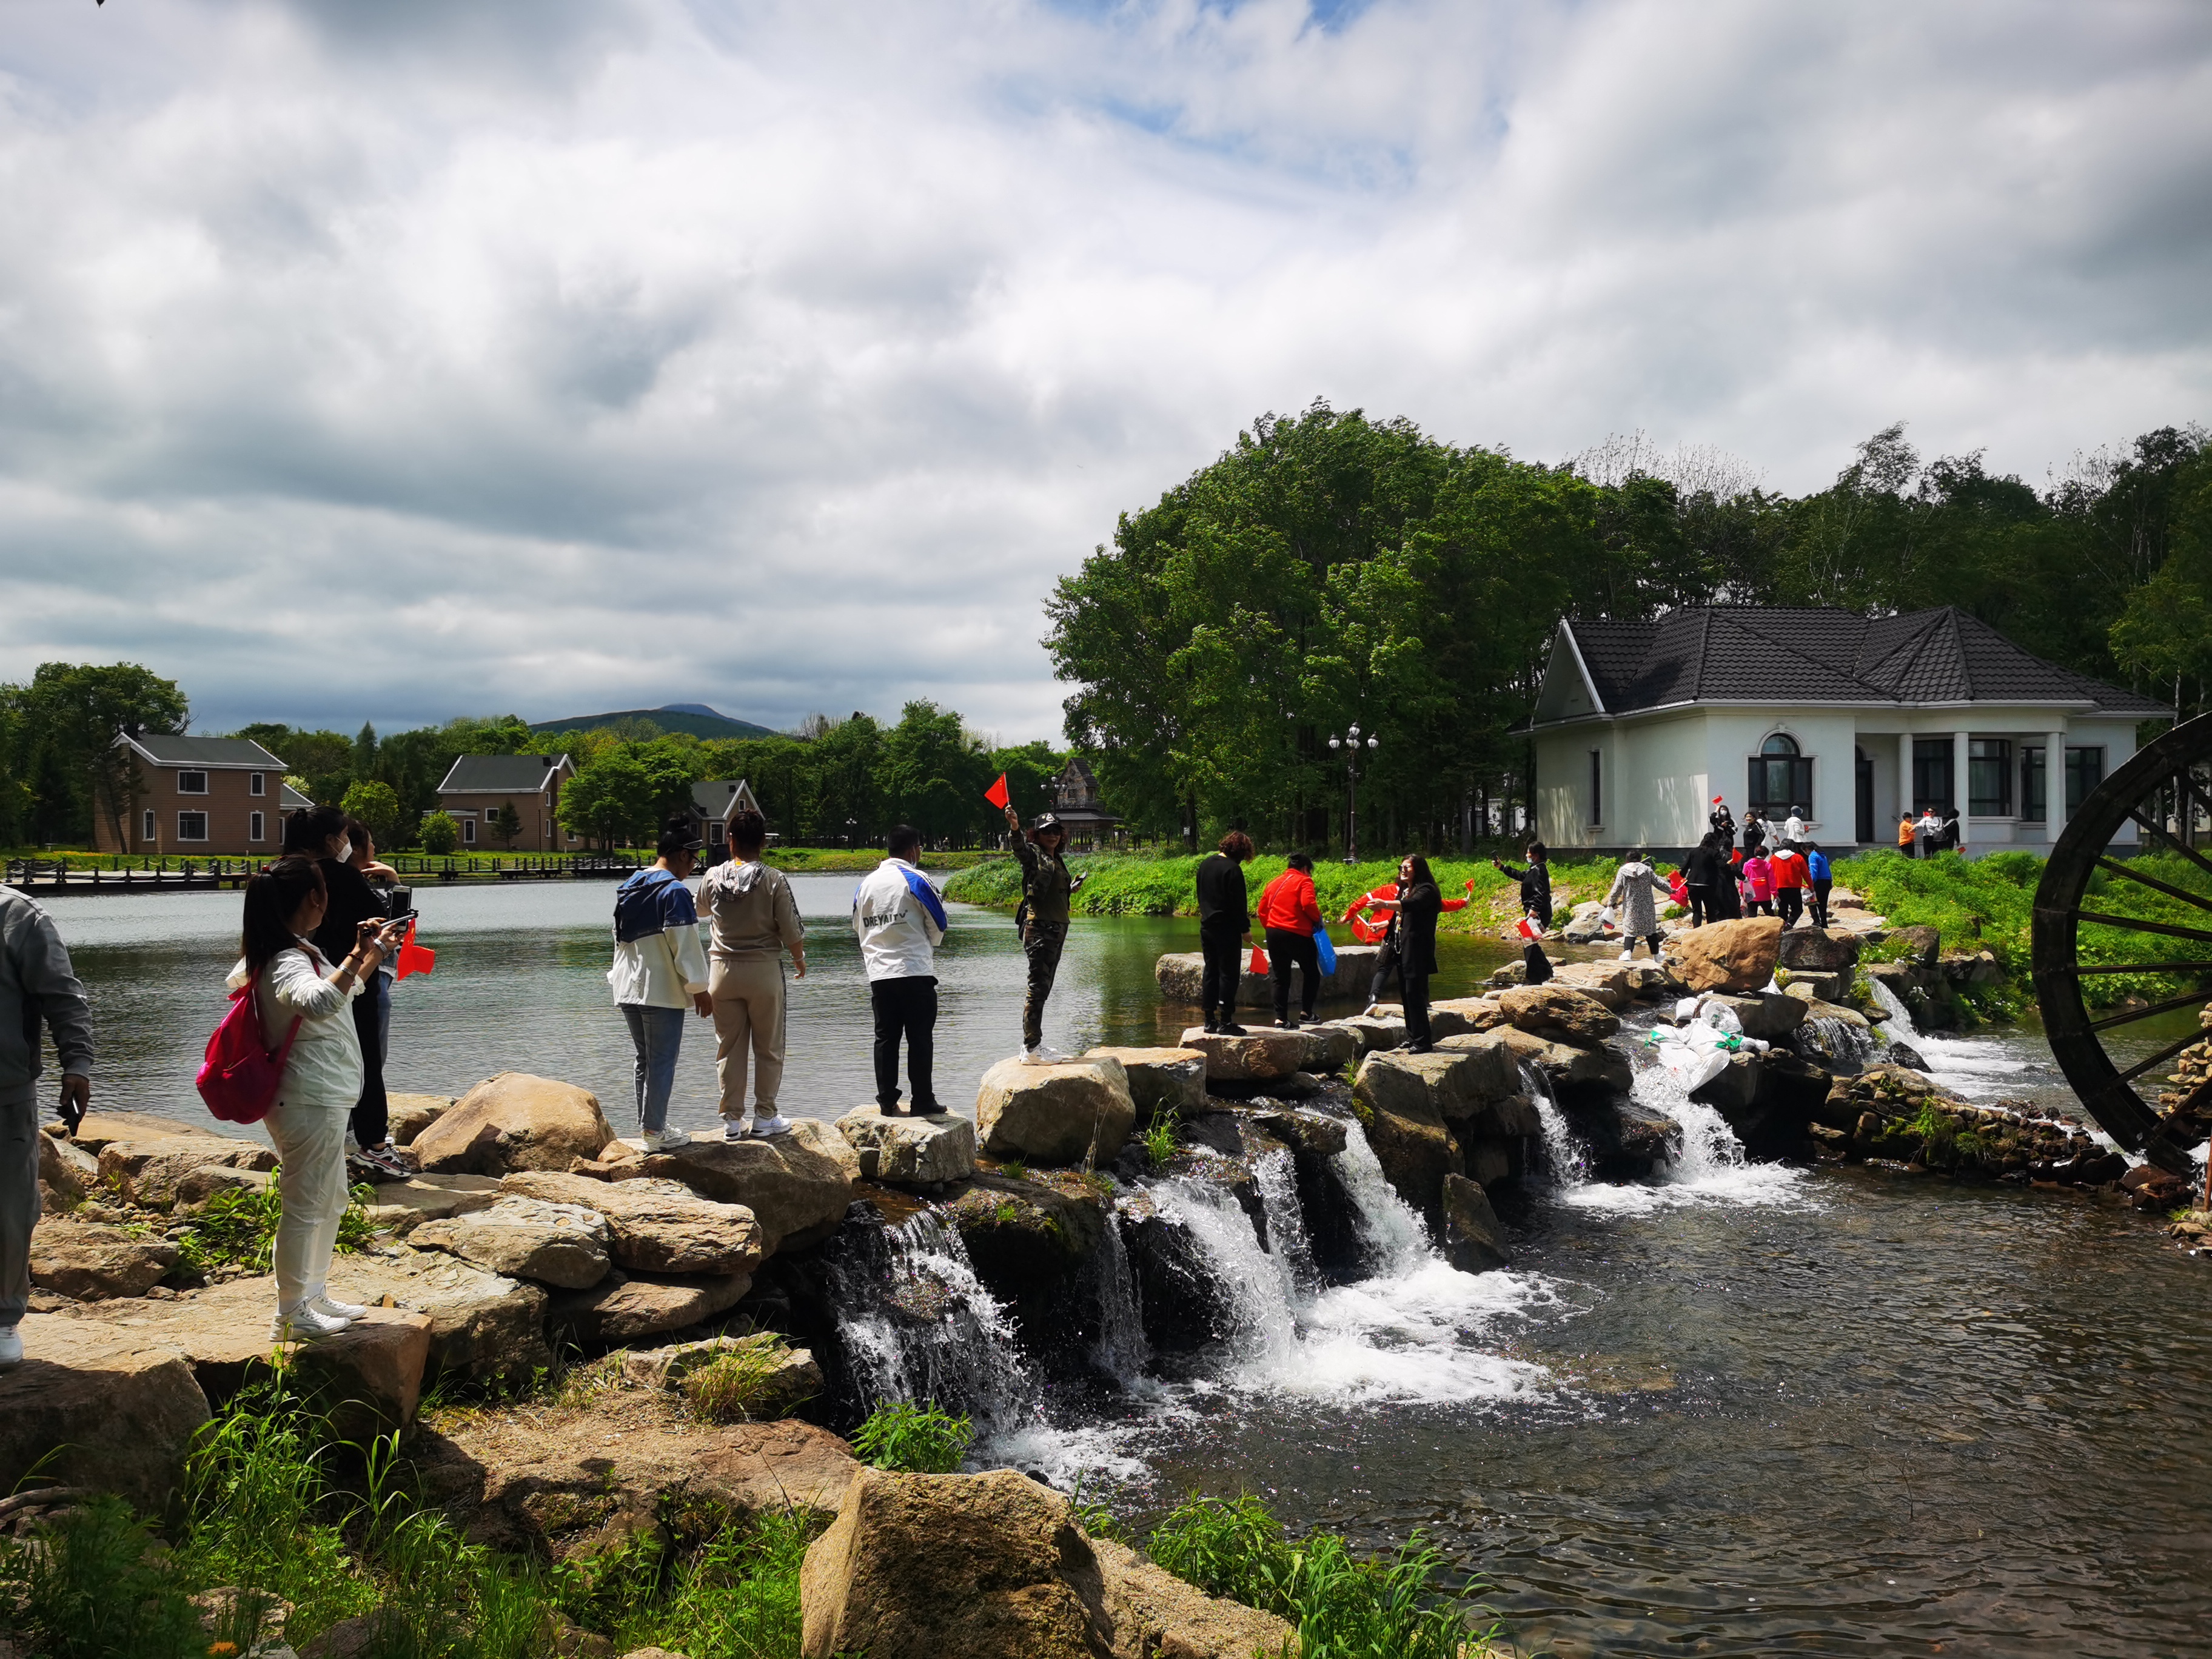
<point>1780,777</point>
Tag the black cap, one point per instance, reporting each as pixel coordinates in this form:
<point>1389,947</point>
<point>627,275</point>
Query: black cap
<point>678,838</point>
<point>1048,821</point>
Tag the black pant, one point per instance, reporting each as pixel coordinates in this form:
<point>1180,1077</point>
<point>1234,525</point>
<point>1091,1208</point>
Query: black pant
<point>1536,967</point>
<point>1286,950</point>
<point>1386,964</point>
<point>372,1113</point>
<point>1790,902</point>
<point>1820,900</point>
<point>908,1007</point>
<point>1041,943</point>
<point>1702,907</point>
<point>1417,1007</point>
<point>1224,949</point>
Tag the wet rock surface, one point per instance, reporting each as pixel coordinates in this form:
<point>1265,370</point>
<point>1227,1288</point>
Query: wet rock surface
<point>1474,1239</point>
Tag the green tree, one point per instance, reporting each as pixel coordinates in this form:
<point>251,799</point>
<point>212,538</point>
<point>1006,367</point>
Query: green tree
<point>378,806</point>
<point>76,712</point>
<point>505,825</point>
<point>324,760</point>
<point>617,798</point>
<point>439,834</point>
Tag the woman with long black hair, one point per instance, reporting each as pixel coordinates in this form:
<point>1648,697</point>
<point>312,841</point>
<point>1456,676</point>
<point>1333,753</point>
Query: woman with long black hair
<point>1418,903</point>
<point>303,1000</point>
<point>326,834</point>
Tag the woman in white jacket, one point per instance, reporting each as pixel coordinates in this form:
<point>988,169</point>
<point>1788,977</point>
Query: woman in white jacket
<point>295,985</point>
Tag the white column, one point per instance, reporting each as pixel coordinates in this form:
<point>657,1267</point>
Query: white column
<point>1904,801</point>
<point>2054,784</point>
<point>1961,795</point>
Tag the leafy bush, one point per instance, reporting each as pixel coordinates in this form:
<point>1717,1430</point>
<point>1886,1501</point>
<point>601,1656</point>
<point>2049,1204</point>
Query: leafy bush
<point>237,1228</point>
<point>1342,1607</point>
<point>913,1439</point>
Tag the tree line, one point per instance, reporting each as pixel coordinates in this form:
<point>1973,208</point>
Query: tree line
<point>1330,569</point>
<point>836,782</point>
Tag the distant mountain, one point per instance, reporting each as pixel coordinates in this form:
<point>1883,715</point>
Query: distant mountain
<point>696,717</point>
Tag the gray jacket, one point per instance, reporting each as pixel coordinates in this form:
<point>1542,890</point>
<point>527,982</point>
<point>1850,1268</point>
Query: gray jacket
<point>37,983</point>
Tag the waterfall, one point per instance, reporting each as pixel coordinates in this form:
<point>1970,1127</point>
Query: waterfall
<point>1276,1174</point>
<point>1900,1016</point>
<point>1255,1285</point>
<point>918,1325</point>
<point>1391,1236</point>
<point>1828,1039</point>
<point>1120,1351</point>
<point>1567,1160</point>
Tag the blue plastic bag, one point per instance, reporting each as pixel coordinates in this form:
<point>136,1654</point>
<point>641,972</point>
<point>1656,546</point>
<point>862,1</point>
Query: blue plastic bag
<point>1325,950</point>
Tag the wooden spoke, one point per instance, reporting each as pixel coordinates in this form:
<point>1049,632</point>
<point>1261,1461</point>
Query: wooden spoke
<point>2071,967</point>
<point>2161,832</point>
<point>2161,1056</point>
<point>2153,883</point>
<point>2136,925</point>
<point>2134,1014</point>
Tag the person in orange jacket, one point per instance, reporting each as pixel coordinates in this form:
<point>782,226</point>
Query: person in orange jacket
<point>1290,914</point>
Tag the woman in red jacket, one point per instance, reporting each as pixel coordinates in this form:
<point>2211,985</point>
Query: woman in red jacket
<point>1290,913</point>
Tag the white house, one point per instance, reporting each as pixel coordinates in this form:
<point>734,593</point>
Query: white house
<point>1851,719</point>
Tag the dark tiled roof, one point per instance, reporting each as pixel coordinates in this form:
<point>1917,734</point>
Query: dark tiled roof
<point>1758,654</point>
<point>521,774</point>
<point>712,800</point>
<point>169,750</point>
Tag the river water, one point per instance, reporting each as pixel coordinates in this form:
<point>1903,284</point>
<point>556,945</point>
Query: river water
<point>1736,1410</point>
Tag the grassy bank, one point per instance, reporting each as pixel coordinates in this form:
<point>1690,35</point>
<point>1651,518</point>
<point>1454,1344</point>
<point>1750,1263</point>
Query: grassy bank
<point>1126,885</point>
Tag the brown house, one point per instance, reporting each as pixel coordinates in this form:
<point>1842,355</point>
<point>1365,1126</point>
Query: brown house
<point>712,805</point>
<point>198,798</point>
<point>478,788</point>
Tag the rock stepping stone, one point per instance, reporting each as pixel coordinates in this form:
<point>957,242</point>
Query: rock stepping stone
<point>910,1152</point>
<point>560,1245</point>
<point>482,1325</point>
<point>657,1226</point>
<point>623,1307</point>
<point>1169,1082</point>
<point>1055,1115</point>
<point>102,1405</point>
<point>513,1121</point>
<point>797,1185</point>
<point>1263,1054</point>
<point>1181,976</point>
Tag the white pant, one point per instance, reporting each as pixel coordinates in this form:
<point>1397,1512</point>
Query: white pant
<point>310,1137</point>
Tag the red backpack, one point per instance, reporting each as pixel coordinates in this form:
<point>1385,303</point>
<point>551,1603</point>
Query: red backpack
<point>240,1078</point>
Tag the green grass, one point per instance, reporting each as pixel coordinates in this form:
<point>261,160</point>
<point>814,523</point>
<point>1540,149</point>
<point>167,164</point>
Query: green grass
<point>236,1228</point>
<point>1342,1606</point>
<point>913,1439</point>
<point>730,1386</point>
<point>1159,1141</point>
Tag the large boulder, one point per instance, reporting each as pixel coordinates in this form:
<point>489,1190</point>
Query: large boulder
<point>1726,956</point>
<point>1053,1114</point>
<point>910,1152</point>
<point>1559,1012</point>
<point>563,1245</point>
<point>482,1325</point>
<point>1464,1017</point>
<point>67,1173</point>
<point>408,1115</point>
<point>1474,1239</point>
<point>1572,1073</point>
<point>623,1307</point>
<point>559,1484</point>
<point>979,1566</point>
<point>514,1121</point>
<point>1818,951</point>
<point>93,1263</point>
<point>1398,1095</point>
<point>402,1205</point>
<point>98,1406</point>
<point>1162,1082</point>
<point>1029,1241</point>
<point>1615,984</point>
<point>1625,1137</point>
<point>1262,1054</point>
<point>797,1185</point>
<point>1770,1016</point>
<point>147,1171</point>
<point>657,1226</point>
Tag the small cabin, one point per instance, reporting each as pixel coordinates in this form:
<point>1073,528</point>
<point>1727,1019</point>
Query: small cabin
<point>479,790</point>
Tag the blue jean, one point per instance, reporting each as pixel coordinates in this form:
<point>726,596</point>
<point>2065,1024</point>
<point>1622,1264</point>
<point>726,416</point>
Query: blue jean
<point>657,1034</point>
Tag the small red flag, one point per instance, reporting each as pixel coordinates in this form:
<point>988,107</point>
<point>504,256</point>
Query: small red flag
<point>414,959</point>
<point>996,794</point>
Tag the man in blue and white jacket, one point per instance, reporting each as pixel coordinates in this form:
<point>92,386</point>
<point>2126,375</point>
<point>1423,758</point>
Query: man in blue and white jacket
<point>659,970</point>
<point>899,915</point>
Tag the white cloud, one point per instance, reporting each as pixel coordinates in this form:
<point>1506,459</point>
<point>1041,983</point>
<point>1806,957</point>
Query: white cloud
<point>411,359</point>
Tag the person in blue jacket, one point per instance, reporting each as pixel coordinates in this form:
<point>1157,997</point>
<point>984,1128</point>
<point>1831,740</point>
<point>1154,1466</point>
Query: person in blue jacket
<point>1822,877</point>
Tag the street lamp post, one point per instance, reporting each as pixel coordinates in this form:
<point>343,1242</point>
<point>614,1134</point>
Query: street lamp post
<point>1350,744</point>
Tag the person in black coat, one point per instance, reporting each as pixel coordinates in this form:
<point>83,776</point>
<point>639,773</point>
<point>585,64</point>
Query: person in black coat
<point>1536,883</point>
<point>1722,822</point>
<point>1225,926</point>
<point>1755,830</point>
<point>321,833</point>
<point>1703,873</point>
<point>1418,903</point>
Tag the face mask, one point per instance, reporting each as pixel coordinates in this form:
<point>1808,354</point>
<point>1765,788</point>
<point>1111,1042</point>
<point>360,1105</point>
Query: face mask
<point>344,855</point>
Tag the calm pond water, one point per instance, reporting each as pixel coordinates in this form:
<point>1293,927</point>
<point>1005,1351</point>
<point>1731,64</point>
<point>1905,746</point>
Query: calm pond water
<point>1735,1410</point>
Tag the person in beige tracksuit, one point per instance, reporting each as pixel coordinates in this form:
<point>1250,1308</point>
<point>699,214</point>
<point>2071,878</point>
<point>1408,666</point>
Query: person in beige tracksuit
<point>754,920</point>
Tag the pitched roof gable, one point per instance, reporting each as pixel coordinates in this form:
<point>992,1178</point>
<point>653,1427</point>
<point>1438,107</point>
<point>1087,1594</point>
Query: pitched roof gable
<point>171,748</point>
<point>501,775</point>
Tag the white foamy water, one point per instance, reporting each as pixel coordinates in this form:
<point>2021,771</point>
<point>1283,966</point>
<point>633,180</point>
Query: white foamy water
<point>1976,1068</point>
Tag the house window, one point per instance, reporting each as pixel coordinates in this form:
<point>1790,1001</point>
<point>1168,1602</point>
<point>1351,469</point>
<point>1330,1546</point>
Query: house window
<point>254,830</point>
<point>469,828</point>
<point>192,826</point>
<point>1780,777</point>
<point>147,830</point>
<point>2033,786</point>
<point>1597,790</point>
<point>715,832</point>
<point>257,783</point>
<point>2085,770</point>
<point>1931,773</point>
<point>192,783</point>
<point>1989,777</point>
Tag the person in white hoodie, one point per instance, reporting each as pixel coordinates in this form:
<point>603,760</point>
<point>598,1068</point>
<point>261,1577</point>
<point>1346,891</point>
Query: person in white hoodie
<point>755,920</point>
<point>899,915</point>
<point>301,998</point>
<point>659,970</point>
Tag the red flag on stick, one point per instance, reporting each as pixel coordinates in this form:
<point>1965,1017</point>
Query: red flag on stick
<point>414,959</point>
<point>996,794</point>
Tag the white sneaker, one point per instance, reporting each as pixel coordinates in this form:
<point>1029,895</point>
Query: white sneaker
<point>330,1308</point>
<point>776,1124</point>
<point>304,1324</point>
<point>733,1129</point>
<point>11,1345</point>
<point>1042,1056</point>
<point>1629,955</point>
<point>662,1140</point>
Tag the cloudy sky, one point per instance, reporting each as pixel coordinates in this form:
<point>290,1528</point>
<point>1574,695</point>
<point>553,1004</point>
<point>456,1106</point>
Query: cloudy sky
<point>402,358</point>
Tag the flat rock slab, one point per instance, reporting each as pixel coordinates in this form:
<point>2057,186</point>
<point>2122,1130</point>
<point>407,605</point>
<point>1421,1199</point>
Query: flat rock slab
<point>1055,1115</point>
<point>97,1405</point>
<point>797,1184</point>
<point>1181,974</point>
<point>571,1486</point>
<point>93,1263</point>
<point>624,1307</point>
<point>482,1325</point>
<point>1559,1012</point>
<point>1162,1082</point>
<point>97,1129</point>
<point>909,1151</point>
<point>561,1245</point>
<point>1461,1016</point>
<point>1261,1055</point>
<point>657,1226</point>
<point>513,1121</point>
<point>147,1171</point>
<point>1373,1031</point>
<point>402,1205</point>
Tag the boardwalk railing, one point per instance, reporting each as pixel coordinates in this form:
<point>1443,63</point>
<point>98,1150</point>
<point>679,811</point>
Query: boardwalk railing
<point>58,876</point>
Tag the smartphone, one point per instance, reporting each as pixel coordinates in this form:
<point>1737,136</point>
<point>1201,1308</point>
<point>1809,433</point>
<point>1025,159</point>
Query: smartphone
<point>403,916</point>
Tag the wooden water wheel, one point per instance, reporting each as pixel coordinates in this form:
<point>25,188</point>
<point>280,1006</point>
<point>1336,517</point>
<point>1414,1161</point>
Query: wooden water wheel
<point>2165,793</point>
